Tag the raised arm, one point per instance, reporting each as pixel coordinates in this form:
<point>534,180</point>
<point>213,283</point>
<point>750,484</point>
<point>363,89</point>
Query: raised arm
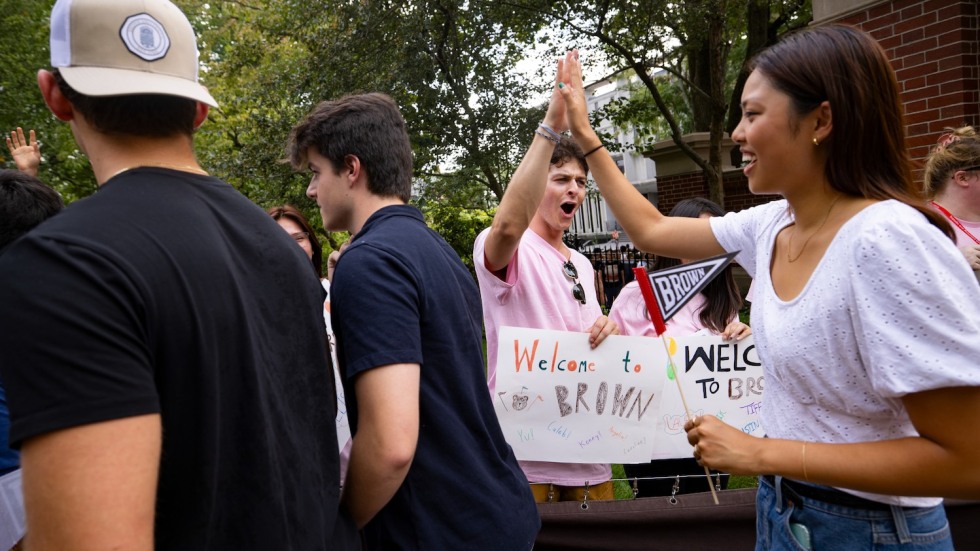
<point>526,187</point>
<point>26,155</point>
<point>387,436</point>
<point>93,486</point>
<point>651,231</point>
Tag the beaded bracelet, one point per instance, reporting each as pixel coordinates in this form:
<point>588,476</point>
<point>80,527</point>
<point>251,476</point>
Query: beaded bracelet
<point>545,136</point>
<point>555,135</point>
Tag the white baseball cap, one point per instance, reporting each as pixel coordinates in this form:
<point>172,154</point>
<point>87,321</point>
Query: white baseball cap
<point>126,47</point>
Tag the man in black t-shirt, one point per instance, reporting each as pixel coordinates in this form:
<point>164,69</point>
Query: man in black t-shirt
<point>429,466</point>
<point>162,341</point>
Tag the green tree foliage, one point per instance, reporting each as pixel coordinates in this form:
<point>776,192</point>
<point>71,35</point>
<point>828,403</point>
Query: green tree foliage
<point>23,50</point>
<point>639,112</point>
<point>695,47</point>
<point>448,65</point>
<point>259,77</point>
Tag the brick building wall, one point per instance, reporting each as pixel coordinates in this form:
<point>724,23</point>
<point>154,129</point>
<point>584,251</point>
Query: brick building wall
<point>671,189</point>
<point>934,46</point>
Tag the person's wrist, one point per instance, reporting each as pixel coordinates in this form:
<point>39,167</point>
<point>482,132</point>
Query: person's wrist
<point>557,124</point>
<point>590,143</point>
<point>582,129</point>
<point>550,130</point>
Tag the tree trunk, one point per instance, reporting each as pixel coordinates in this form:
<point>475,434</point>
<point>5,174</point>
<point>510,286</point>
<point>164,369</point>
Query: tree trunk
<point>716,132</point>
<point>757,15</point>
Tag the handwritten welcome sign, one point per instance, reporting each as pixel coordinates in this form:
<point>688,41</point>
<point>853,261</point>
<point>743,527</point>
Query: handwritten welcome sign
<point>558,400</point>
<point>720,378</point>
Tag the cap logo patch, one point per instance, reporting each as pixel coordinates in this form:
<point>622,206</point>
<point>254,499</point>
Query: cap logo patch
<point>145,37</point>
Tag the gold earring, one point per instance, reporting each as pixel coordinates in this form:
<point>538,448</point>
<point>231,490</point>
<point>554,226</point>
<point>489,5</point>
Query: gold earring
<point>815,142</point>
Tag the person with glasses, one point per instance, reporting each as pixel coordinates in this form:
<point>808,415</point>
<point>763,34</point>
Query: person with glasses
<point>952,180</point>
<point>530,278</point>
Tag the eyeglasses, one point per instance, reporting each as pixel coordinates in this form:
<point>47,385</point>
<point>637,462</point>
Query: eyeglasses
<point>300,237</point>
<point>969,168</point>
<point>571,273</point>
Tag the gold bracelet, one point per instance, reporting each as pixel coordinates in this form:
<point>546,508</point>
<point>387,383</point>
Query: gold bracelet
<point>805,477</point>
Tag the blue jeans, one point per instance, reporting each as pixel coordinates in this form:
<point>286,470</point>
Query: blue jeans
<point>836,527</point>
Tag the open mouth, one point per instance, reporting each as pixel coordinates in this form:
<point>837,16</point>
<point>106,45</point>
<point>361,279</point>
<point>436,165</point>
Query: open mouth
<point>747,160</point>
<point>568,208</point>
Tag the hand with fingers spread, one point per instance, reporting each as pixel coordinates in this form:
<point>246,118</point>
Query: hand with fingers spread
<point>26,155</point>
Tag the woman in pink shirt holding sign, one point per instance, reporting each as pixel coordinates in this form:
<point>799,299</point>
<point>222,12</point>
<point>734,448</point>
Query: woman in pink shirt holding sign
<point>864,313</point>
<point>713,311</point>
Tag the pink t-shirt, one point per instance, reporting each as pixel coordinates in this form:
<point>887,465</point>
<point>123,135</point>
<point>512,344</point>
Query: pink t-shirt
<point>630,312</point>
<point>962,239</point>
<point>538,294</point>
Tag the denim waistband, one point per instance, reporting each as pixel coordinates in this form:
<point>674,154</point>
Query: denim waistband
<point>792,488</point>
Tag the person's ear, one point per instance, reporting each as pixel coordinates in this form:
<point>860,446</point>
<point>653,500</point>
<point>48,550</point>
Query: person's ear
<point>961,178</point>
<point>201,115</point>
<point>353,165</point>
<point>823,122</point>
<point>53,98</point>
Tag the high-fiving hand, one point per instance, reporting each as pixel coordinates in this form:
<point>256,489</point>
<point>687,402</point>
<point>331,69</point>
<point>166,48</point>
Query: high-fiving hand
<point>572,92</point>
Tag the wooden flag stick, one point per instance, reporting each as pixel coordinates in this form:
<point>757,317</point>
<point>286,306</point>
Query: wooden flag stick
<point>658,323</point>
<point>687,410</point>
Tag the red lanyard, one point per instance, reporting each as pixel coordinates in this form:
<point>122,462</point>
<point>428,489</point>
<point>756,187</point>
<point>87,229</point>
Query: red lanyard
<point>956,221</point>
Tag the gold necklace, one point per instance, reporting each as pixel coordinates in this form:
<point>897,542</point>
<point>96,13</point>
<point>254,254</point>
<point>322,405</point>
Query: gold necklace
<point>789,245</point>
<point>181,168</point>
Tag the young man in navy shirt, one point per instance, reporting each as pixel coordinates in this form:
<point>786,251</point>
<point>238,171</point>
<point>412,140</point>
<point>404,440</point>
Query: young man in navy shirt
<point>429,466</point>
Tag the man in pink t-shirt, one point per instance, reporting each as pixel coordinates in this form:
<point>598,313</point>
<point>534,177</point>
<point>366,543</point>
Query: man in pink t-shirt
<point>529,278</point>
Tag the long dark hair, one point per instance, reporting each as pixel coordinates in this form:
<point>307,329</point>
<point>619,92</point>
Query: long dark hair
<point>293,213</point>
<point>722,297</point>
<point>867,154</point>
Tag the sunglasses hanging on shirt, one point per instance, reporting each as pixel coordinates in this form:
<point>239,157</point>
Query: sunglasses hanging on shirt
<point>571,273</point>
